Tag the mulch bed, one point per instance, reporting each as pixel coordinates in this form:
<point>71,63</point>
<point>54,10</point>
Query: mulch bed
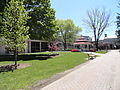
<point>20,66</point>
<point>12,67</point>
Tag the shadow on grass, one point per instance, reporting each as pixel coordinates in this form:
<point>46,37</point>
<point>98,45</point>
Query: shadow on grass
<point>27,57</point>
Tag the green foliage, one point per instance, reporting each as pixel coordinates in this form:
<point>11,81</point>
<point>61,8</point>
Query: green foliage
<point>26,77</point>
<point>3,3</point>
<point>118,35</point>
<point>118,26</point>
<point>118,20</point>
<point>67,31</point>
<point>2,6</point>
<point>42,23</point>
<point>13,30</point>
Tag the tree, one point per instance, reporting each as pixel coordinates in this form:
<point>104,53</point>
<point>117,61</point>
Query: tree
<point>3,4</point>
<point>42,23</point>
<point>14,32</point>
<point>98,21</point>
<point>67,31</point>
<point>118,27</point>
<point>118,33</point>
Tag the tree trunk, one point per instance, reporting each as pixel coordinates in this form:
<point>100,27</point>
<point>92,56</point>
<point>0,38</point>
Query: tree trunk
<point>96,44</point>
<point>64,46</point>
<point>15,55</point>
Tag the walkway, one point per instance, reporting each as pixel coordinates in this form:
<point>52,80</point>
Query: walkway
<point>102,73</point>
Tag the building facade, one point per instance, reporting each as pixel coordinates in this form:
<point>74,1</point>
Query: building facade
<point>2,50</point>
<point>109,43</point>
<point>32,46</point>
<point>36,46</point>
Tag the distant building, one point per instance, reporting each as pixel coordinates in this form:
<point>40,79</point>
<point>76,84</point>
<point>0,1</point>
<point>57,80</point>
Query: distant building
<point>36,46</point>
<point>84,43</point>
<point>32,46</point>
<point>39,46</point>
<point>109,42</point>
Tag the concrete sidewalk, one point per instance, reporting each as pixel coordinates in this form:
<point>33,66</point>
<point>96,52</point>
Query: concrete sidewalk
<point>102,73</point>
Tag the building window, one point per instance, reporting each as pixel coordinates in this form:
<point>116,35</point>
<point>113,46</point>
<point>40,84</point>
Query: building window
<point>44,46</point>
<point>35,46</point>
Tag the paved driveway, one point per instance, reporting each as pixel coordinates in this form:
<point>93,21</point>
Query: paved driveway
<point>102,73</point>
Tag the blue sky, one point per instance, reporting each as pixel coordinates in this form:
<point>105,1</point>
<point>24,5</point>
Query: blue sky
<point>76,10</point>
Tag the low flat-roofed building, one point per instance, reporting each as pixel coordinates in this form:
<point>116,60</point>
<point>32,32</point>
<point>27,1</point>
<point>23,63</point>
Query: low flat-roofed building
<point>111,42</point>
<point>32,46</point>
<point>36,46</point>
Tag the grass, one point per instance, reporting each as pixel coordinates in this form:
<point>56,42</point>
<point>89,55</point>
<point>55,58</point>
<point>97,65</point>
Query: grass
<point>101,52</point>
<point>40,69</point>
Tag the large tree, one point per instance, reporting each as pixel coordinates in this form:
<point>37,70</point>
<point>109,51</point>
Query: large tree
<point>3,3</point>
<point>67,31</point>
<point>42,23</point>
<point>118,25</point>
<point>13,30</point>
<point>97,20</point>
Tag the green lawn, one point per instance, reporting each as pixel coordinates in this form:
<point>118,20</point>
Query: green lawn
<point>40,69</point>
<point>102,52</point>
